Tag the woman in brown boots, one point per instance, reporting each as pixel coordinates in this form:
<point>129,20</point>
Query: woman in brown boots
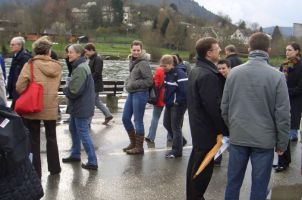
<point>137,85</point>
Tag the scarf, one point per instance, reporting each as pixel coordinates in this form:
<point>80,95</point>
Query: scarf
<point>289,65</point>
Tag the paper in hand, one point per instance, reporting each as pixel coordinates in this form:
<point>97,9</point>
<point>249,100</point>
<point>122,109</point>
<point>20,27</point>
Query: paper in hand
<point>224,146</point>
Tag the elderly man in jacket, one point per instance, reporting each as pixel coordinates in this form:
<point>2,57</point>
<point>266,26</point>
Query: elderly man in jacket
<point>20,57</point>
<point>255,107</point>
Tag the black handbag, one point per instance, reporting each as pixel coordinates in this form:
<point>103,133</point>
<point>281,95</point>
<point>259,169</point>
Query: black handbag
<point>14,141</point>
<point>154,94</point>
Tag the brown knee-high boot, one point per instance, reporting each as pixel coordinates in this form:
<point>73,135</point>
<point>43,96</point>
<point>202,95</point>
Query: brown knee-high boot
<point>139,146</point>
<point>131,135</point>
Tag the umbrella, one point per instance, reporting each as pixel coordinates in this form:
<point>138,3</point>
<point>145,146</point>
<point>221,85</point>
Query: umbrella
<point>210,155</point>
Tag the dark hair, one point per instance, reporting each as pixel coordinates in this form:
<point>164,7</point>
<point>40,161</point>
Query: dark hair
<point>224,61</point>
<point>259,41</point>
<point>66,48</point>
<point>178,57</point>
<point>175,60</point>
<point>203,45</point>
<point>296,47</point>
<point>89,47</point>
<point>231,48</point>
<point>137,43</point>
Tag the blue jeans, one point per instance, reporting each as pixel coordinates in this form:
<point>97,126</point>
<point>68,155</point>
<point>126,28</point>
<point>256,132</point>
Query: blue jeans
<point>135,105</point>
<point>79,130</point>
<point>293,133</point>
<point>155,118</point>
<point>261,160</point>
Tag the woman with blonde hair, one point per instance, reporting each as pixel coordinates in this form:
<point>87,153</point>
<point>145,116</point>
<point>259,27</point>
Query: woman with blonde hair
<point>47,72</point>
<point>166,61</point>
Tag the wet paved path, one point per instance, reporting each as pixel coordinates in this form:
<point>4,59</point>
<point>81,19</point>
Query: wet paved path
<point>147,177</point>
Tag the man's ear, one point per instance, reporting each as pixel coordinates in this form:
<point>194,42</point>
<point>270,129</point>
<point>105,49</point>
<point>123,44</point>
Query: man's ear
<point>269,50</point>
<point>249,49</point>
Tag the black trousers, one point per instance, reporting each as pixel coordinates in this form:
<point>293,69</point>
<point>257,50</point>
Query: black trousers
<point>285,159</point>
<point>173,121</point>
<point>51,145</point>
<point>197,187</point>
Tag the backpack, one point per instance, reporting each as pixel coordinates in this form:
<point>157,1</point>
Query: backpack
<point>154,94</point>
<point>14,142</point>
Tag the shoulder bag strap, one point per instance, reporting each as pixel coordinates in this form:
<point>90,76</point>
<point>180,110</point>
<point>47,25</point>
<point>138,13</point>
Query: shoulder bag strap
<point>31,71</point>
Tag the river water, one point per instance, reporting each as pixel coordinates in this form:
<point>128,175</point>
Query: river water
<point>112,70</point>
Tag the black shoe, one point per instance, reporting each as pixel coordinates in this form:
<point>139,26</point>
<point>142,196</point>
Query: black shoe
<point>148,140</point>
<point>107,120</point>
<point>55,173</point>
<point>280,169</point>
<point>274,166</point>
<point>89,166</point>
<point>294,139</point>
<point>173,155</point>
<point>66,121</point>
<point>184,142</point>
<point>217,163</point>
<point>70,159</point>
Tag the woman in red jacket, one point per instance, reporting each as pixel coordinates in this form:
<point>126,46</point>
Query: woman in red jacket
<point>159,76</point>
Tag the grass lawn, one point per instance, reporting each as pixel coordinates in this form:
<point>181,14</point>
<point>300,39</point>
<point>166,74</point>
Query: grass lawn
<point>119,47</point>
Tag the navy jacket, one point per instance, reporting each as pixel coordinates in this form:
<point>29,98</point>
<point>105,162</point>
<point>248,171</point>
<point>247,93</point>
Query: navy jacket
<point>176,83</point>
<point>17,64</point>
<point>234,60</point>
<point>2,63</point>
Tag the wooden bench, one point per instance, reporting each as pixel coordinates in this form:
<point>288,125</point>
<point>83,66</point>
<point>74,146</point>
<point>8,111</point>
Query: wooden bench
<point>111,90</point>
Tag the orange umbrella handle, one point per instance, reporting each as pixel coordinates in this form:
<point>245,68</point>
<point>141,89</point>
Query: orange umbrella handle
<point>210,155</point>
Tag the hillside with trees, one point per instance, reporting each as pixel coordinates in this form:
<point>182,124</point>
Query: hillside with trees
<point>163,25</point>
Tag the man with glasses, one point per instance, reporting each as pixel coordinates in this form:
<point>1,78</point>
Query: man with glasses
<point>20,57</point>
<point>204,94</point>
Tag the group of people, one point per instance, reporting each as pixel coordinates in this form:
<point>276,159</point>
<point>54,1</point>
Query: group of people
<point>256,106</point>
<point>82,92</point>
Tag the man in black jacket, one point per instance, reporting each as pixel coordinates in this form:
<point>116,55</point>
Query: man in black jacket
<point>231,55</point>
<point>204,94</point>
<point>20,57</point>
<point>96,67</point>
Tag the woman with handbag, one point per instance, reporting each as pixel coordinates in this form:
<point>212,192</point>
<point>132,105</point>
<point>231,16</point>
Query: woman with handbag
<point>46,72</point>
<point>158,81</point>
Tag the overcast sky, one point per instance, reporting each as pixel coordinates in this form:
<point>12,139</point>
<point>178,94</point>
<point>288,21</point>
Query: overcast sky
<point>264,12</point>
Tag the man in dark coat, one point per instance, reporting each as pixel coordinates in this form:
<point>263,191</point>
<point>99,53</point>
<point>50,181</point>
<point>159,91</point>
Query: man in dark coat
<point>96,67</point>
<point>231,55</point>
<point>204,95</point>
<point>20,57</point>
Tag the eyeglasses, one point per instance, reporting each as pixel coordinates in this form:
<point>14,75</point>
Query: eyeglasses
<point>13,44</point>
<point>215,49</point>
<point>163,66</point>
<point>289,49</point>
